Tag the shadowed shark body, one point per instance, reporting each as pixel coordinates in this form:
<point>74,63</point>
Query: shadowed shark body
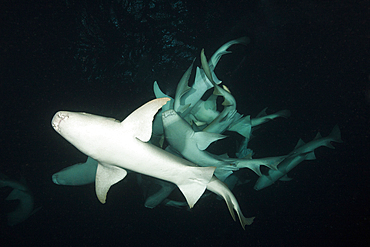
<point>187,96</point>
<point>78,174</point>
<point>318,141</point>
<point>21,193</point>
<point>155,190</point>
<point>281,173</point>
<point>119,146</point>
<point>303,151</point>
<point>192,145</point>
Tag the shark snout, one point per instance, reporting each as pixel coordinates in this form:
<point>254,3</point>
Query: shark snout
<point>58,118</point>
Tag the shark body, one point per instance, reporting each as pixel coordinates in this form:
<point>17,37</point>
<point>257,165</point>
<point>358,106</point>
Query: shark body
<point>302,151</point>
<point>78,174</point>
<point>192,146</point>
<point>281,173</point>
<point>118,146</point>
<point>20,192</point>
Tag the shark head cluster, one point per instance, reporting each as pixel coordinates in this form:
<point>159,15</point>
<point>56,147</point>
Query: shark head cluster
<point>169,149</point>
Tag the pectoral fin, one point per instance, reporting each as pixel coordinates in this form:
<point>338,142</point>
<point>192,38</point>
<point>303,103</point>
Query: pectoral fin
<point>106,176</point>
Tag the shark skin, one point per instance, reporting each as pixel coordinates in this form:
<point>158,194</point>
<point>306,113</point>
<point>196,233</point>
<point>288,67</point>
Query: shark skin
<point>318,141</point>
<point>20,192</point>
<point>262,117</point>
<point>205,111</point>
<point>155,190</point>
<point>78,174</point>
<point>157,131</point>
<point>187,96</point>
<point>281,173</point>
<point>228,114</point>
<point>223,191</point>
<point>119,146</point>
<point>192,145</point>
<point>303,151</point>
<point>182,88</point>
<point>222,51</point>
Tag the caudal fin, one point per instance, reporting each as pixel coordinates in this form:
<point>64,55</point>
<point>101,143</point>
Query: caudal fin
<point>335,134</point>
<point>221,189</point>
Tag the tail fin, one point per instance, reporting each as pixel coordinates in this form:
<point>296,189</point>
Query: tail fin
<point>335,134</point>
<point>284,113</point>
<point>221,189</point>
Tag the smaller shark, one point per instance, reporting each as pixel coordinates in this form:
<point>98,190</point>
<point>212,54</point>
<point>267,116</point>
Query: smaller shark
<point>318,141</point>
<point>281,173</point>
<point>21,193</point>
<point>78,174</point>
<point>302,151</point>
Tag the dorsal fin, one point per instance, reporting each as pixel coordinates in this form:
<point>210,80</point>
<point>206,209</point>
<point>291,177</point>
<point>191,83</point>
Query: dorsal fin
<point>205,66</point>
<point>182,87</point>
<point>262,113</point>
<point>159,94</point>
<point>300,144</point>
<point>139,123</point>
<point>318,136</point>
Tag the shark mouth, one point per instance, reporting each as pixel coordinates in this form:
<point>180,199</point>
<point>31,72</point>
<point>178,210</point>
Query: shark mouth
<point>57,119</point>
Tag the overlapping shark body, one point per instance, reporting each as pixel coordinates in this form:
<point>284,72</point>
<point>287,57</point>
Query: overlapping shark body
<point>78,174</point>
<point>302,151</point>
<point>118,146</point>
<point>192,145</point>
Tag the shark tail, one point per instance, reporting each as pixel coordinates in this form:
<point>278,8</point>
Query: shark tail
<point>284,113</point>
<point>232,203</point>
<point>335,134</point>
<point>222,190</point>
<point>194,187</point>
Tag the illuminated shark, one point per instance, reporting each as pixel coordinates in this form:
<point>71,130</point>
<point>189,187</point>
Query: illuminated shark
<point>118,146</point>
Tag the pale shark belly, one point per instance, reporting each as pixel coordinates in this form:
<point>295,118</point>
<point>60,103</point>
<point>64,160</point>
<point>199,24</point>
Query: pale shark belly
<point>150,160</point>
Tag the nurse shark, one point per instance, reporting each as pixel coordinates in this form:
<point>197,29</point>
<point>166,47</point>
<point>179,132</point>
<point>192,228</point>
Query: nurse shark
<point>118,146</point>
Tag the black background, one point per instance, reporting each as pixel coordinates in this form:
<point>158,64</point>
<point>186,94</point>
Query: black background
<point>311,57</point>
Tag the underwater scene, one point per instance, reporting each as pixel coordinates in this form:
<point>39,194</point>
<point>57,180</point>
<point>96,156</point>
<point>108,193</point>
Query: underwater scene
<point>185,123</point>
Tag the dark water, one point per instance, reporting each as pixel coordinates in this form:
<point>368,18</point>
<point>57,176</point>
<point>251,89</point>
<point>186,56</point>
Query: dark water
<point>311,57</point>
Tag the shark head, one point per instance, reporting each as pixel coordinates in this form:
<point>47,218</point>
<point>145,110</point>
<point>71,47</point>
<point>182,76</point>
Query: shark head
<point>58,118</point>
<point>263,182</point>
<point>82,130</point>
